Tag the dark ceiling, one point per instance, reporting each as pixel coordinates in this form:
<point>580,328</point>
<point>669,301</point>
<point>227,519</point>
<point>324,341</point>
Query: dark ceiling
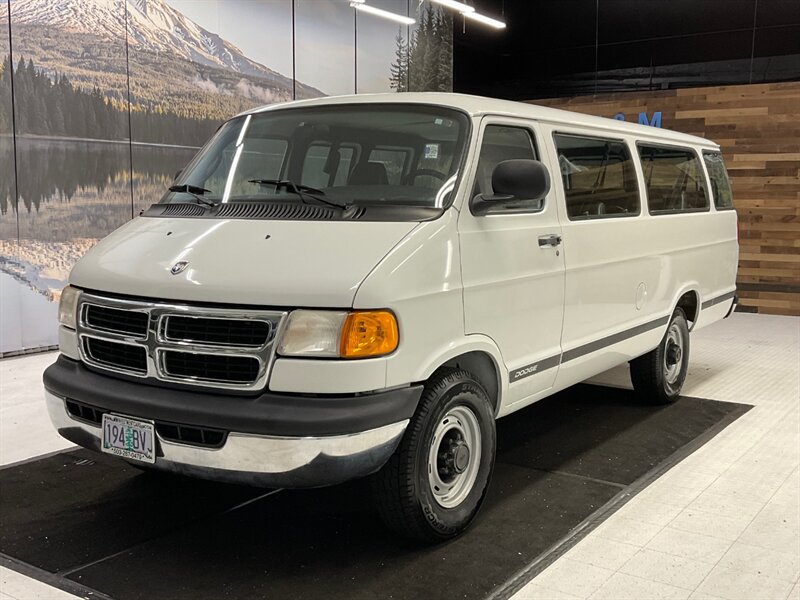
<point>566,47</point>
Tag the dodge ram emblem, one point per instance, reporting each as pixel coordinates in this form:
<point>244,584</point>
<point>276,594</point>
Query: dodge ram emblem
<point>179,266</point>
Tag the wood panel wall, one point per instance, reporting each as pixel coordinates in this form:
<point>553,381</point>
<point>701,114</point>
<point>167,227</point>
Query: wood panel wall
<point>758,129</point>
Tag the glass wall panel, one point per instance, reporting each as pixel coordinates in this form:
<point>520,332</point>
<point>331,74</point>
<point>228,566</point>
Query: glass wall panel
<point>114,97</point>
<point>381,63</point>
<point>777,13</point>
<point>621,20</point>
<point>674,62</point>
<point>220,57</point>
<point>72,149</point>
<point>325,48</point>
<point>776,53</point>
<point>12,289</point>
<point>430,52</point>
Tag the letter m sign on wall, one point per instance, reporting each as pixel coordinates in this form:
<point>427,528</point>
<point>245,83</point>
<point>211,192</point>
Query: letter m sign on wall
<point>654,122</point>
<point>643,120</point>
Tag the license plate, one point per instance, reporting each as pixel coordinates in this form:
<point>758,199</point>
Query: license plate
<point>129,438</point>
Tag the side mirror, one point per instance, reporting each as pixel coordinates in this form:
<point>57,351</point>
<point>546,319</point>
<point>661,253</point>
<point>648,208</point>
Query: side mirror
<point>521,178</point>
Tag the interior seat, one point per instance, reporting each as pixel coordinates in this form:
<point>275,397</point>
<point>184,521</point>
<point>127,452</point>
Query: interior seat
<point>369,173</point>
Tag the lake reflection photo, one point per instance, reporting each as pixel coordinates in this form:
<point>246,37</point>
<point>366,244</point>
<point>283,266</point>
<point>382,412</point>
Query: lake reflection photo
<point>71,194</point>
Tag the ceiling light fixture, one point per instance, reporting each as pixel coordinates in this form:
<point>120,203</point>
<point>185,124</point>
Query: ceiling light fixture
<point>485,20</point>
<point>363,7</point>
<point>459,6</point>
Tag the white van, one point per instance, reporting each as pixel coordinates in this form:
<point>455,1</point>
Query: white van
<point>361,285</point>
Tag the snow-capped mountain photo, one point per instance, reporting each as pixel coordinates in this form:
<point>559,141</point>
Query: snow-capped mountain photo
<point>176,65</point>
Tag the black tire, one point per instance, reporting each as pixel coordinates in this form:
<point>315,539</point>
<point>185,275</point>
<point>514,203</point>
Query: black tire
<point>658,376</point>
<point>404,494</point>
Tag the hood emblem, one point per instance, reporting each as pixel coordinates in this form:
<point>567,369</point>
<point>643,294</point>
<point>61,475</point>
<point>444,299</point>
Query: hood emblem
<point>179,267</point>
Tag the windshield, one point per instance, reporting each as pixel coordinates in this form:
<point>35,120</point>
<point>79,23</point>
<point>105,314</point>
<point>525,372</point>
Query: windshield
<point>387,154</point>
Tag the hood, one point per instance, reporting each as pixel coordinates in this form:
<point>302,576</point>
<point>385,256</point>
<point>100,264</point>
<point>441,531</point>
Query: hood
<point>263,263</point>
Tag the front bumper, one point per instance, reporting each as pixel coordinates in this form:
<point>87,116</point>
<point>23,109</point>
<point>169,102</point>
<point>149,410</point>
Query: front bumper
<point>318,441</point>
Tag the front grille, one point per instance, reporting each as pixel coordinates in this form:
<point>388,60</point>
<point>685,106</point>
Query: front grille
<point>224,332</point>
<point>115,320</point>
<point>116,355</point>
<point>186,344</point>
<point>215,367</point>
<point>173,432</point>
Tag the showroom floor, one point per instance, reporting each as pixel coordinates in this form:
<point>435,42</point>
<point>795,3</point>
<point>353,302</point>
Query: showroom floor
<point>724,523</point>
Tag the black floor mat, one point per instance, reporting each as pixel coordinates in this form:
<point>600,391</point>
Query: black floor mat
<point>94,521</point>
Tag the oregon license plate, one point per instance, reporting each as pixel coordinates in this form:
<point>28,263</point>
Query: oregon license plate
<point>129,438</point>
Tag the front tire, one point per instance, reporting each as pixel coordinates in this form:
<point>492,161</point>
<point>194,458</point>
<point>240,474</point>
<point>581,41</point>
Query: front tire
<point>658,376</point>
<point>434,484</point>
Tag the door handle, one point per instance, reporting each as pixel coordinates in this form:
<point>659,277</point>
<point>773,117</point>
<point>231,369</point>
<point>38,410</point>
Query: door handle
<point>552,240</point>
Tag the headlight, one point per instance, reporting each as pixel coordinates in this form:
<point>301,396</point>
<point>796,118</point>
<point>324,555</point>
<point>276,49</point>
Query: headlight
<point>312,333</point>
<point>68,306</point>
<point>335,334</point>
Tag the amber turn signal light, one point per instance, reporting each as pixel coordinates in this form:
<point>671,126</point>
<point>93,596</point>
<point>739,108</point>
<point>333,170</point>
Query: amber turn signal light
<point>368,333</point>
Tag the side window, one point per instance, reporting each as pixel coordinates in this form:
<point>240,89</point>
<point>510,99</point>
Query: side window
<point>501,142</point>
<point>674,179</point>
<point>393,160</point>
<point>720,184</point>
<point>316,159</point>
<point>599,177</point>
<point>345,165</point>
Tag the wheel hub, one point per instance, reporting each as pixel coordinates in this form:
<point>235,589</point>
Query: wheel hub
<point>453,456</point>
<point>461,458</point>
<point>674,354</point>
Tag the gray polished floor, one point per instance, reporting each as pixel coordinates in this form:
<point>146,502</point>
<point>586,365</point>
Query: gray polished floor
<point>722,524</point>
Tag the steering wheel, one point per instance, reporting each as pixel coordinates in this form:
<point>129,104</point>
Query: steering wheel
<point>426,173</point>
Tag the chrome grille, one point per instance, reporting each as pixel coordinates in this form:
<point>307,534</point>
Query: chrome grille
<point>225,332</point>
<point>116,354</point>
<point>202,346</point>
<point>212,367</point>
<point>112,319</point>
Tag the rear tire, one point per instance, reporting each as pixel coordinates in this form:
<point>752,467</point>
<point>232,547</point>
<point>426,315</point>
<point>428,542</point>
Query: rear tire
<point>434,484</point>
<point>658,376</point>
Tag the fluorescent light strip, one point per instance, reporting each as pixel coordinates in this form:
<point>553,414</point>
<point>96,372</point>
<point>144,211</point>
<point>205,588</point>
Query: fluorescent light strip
<point>459,6</point>
<point>382,13</point>
<point>485,20</point>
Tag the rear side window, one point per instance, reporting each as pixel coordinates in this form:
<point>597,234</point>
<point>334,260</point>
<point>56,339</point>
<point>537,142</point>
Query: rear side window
<point>314,174</point>
<point>345,164</point>
<point>599,177</point>
<point>320,165</point>
<point>500,143</point>
<point>720,184</point>
<point>674,180</point>
<point>393,160</point>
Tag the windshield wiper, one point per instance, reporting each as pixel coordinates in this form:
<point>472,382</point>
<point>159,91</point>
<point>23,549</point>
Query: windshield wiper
<point>194,191</point>
<point>302,191</point>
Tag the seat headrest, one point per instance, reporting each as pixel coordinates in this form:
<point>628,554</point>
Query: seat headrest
<point>369,173</point>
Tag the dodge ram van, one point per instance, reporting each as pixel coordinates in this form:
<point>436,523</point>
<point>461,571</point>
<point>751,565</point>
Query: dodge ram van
<point>360,286</point>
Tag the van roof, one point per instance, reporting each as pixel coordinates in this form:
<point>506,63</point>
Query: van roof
<point>478,106</point>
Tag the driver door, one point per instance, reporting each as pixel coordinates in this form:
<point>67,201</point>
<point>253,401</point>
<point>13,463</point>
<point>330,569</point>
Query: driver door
<point>513,267</point>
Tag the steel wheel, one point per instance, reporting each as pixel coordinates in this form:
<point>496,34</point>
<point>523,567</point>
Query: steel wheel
<point>674,348</point>
<point>658,376</point>
<point>454,456</point>
<point>433,486</point>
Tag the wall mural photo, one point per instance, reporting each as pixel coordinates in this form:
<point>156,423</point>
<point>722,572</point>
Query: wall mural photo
<point>112,97</point>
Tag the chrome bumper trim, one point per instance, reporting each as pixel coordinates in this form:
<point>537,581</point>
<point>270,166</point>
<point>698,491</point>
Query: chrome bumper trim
<point>257,459</point>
